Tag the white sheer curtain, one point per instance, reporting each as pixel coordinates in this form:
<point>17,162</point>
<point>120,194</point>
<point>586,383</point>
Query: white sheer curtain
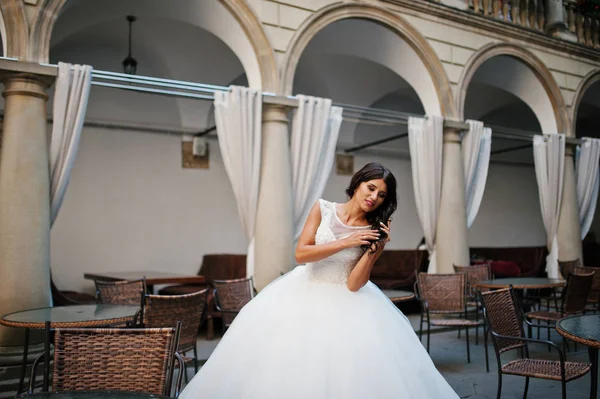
<point>315,132</point>
<point>238,117</point>
<point>71,93</point>
<point>587,180</point>
<point>476,148</point>
<point>549,159</point>
<point>425,136</point>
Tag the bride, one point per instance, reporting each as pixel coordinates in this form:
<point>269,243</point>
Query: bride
<point>323,330</point>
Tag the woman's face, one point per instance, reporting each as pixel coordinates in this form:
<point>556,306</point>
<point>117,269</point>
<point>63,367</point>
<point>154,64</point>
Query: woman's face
<point>370,194</point>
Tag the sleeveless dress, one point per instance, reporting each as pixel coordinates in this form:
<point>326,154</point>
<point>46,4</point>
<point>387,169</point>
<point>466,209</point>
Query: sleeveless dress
<point>306,335</point>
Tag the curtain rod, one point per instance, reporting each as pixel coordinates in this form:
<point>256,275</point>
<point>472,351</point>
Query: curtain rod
<point>176,131</point>
<point>511,149</point>
<point>200,91</point>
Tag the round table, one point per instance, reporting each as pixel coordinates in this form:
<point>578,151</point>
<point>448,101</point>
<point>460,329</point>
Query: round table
<point>398,296</point>
<point>93,395</point>
<point>71,316</point>
<point>521,283</point>
<point>584,329</point>
<point>80,316</point>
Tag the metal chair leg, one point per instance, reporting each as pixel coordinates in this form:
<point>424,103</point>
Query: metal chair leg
<point>428,335</point>
<point>468,346</point>
<point>210,329</point>
<point>477,326</point>
<point>487,359</point>
<point>421,327</point>
<point>526,387</point>
<point>498,396</point>
<point>24,364</point>
<point>195,359</point>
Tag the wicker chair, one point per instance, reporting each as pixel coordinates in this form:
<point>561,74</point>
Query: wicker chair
<point>505,324</point>
<point>594,295</point>
<point>167,310</point>
<point>474,273</point>
<point>574,300</point>
<point>130,292</point>
<point>445,294</point>
<point>566,267</point>
<point>126,292</point>
<point>213,267</point>
<point>537,298</point>
<point>139,360</point>
<point>231,296</point>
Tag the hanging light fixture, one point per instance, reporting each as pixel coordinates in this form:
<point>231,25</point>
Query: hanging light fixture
<point>130,63</point>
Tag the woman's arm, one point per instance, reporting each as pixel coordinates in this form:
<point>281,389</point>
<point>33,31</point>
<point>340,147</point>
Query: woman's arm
<point>359,276</point>
<point>308,251</point>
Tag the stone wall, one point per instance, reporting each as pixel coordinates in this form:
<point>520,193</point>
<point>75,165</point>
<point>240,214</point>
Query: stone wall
<point>453,42</point>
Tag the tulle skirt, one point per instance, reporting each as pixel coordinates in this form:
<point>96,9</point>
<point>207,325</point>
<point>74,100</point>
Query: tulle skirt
<point>301,338</point>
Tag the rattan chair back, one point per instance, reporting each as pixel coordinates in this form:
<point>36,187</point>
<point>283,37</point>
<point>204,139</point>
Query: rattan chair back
<point>594,295</point>
<point>474,273</point>
<point>566,267</point>
<point>576,293</point>
<point>140,360</point>
<point>502,317</point>
<point>129,292</point>
<point>167,310</point>
<point>443,293</point>
<point>231,296</point>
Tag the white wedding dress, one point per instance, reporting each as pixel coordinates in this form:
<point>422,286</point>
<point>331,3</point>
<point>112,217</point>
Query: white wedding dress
<point>306,335</point>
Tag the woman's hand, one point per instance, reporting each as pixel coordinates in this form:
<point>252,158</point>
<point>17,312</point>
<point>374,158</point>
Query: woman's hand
<point>386,230</point>
<point>361,273</point>
<point>377,248</point>
<point>360,238</point>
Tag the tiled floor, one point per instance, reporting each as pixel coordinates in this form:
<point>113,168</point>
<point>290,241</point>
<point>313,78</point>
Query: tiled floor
<point>470,380</point>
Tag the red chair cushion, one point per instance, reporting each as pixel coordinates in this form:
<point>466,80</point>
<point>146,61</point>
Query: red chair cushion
<point>504,268</point>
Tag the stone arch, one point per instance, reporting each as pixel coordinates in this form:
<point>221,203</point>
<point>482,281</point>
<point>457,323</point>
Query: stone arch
<point>406,32</point>
<point>534,64</point>
<point>41,30</point>
<point>3,33</point>
<point>14,28</point>
<point>259,40</point>
<point>588,81</point>
<point>239,9</point>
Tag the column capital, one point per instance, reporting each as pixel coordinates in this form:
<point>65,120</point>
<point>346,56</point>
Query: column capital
<point>452,135</point>
<point>25,84</point>
<point>569,150</point>
<point>275,113</point>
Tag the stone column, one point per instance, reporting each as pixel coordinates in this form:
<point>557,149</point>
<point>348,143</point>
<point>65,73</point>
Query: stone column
<point>569,228</point>
<point>24,201</point>
<point>451,241</point>
<point>273,238</point>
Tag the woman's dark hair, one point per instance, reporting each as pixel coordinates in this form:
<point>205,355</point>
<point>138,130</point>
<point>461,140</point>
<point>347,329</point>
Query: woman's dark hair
<point>372,171</point>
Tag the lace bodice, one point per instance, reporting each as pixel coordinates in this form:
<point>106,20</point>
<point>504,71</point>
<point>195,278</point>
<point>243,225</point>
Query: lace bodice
<point>336,268</point>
